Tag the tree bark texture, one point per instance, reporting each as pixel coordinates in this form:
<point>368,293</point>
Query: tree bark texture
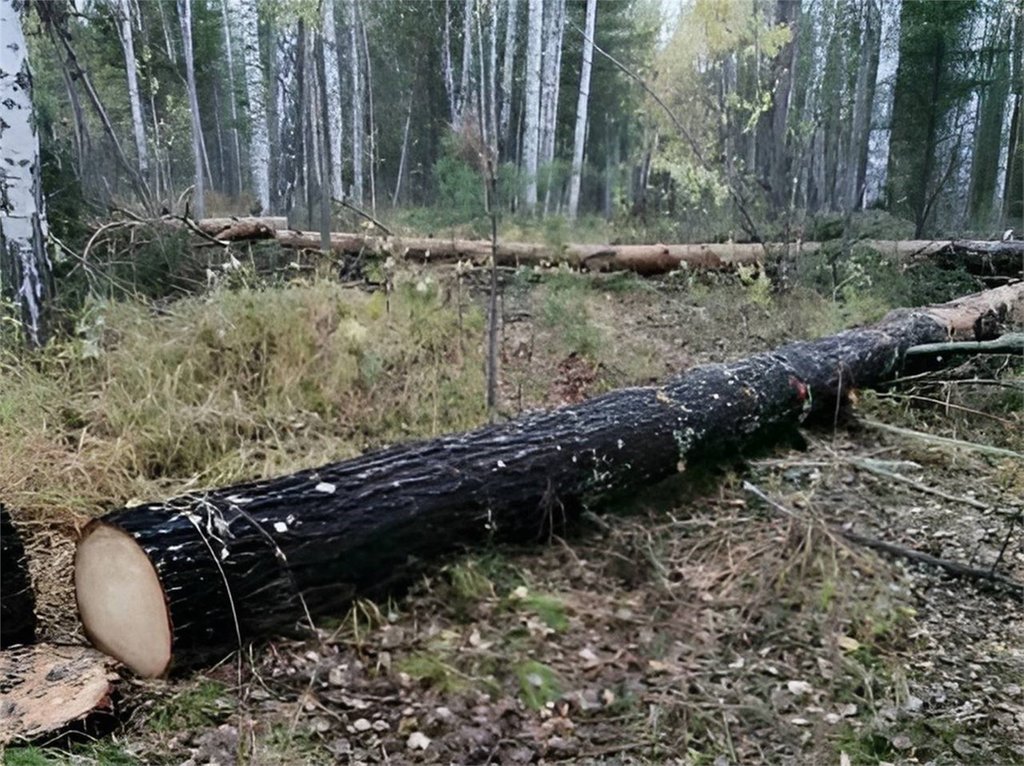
<point>245,562</point>
<point>17,601</point>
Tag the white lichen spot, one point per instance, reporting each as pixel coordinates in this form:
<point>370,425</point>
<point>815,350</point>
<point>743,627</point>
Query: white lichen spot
<point>239,500</point>
<point>326,487</point>
<point>715,396</point>
<point>621,443</point>
<point>280,526</point>
<point>681,466</point>
<point>224,554</point>
<point>501,464</point>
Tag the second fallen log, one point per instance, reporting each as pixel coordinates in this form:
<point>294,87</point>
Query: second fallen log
<point>205,572</point>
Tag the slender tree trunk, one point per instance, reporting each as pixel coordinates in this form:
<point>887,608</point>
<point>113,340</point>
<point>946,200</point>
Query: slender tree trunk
<point>402,156</point>
<point>168,45</point>
<point>580,139</point>
<point>229,56</point>
<point>989,126</point>
<point>465,83</point>
<point>552,70</point>
<point>276,78</point>
<point>494,8</point>
<point>25,271</point>
<point>332,80</point>
<point>199,195</point>
<point>122,11</point>
<point>357,103</point>
<point>882,106</point>
<point>326,149</point>
<point>449,74</point>
<point>531,122</point>
<point>369,104</point>
<point>862,98</point>
<point>507,71</point>
<point>255,89</point>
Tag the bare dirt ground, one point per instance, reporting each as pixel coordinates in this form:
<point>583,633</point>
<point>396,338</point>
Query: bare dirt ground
<point>694,624</point>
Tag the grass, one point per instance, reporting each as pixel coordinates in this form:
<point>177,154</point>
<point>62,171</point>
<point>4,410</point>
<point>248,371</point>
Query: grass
<point>230,386</point>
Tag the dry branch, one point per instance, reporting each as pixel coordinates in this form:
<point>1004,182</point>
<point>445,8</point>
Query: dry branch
<point>196,575</point>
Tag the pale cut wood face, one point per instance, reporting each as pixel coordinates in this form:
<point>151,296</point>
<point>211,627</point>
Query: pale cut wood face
<point>121,602</point>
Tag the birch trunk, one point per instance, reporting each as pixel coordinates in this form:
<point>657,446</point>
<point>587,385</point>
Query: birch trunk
<point>552,75</point>
<point>232,97</point>
<point>25,274</point>
<point>492,76</point>
<point>332,84</point>
<point>507,70</point>
<point>122,11</point>
<point>465,82</point>
<point>862,98</point>
<point>357,103</point>
<point>449,75</point>
<point>368,79</point>
<point>199,195</point>
<point>531,122</point>
<point>255,90</point>
<point>580,139</point>
<point>881,112</point>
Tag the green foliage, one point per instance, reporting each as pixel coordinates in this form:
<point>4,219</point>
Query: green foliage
<point>201,704</point>
<point>565,311</point>
<point>432,671</point>
<point>538,684</point>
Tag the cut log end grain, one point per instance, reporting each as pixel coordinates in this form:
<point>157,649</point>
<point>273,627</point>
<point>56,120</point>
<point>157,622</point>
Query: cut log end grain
<point>121,602</point>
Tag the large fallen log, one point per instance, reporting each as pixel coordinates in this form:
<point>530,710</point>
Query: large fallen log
<point>17,600</point>
<point>981,257</point>
<point>178,580</point>
<point>1003,258</point>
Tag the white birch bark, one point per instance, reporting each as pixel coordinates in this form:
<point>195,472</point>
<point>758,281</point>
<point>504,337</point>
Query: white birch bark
<point>24,264</point>
<point>123,13</point>
<point>332,83</point>
<point>199,194</point>
<point>449,75</point>
<point>232,93</point>
<point>255,90</point>
<point>881,112</point>
<point>465,83</point>
<point>357,104</point>
<point>552,71</point>
<point>494,8</point>
<point>580,139</point>
<point>507,70</point>
<point>531,120</point>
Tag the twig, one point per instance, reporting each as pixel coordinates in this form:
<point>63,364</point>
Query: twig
<point>954,568</point>
<point>950,405</point>
<point>1011,343</point>
<point>364,214</point>
<point>870,467</point>
<point>944,441</point>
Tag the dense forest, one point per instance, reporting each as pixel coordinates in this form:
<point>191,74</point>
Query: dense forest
<point>716,119</point>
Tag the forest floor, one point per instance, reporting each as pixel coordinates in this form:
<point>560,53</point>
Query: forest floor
<point>693,624</point>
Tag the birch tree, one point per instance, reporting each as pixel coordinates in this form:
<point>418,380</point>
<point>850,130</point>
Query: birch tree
<point>232,94</point>
<point>580,138</point>
<point>123,14</point>
<point>199,194</point>
<point>25,275</point>
<point>255,89</point>
<point>357,103</point>
<point>507,70</point>
<point>332,86</point>
<point>531,121</point>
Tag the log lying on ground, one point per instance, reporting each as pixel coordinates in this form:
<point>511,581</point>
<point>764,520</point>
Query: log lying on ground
<point>17,601</point>
<point>199,574</point>
<point>1003,258</point>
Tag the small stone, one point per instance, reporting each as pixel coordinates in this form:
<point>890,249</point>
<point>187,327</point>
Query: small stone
<point>902,742</point>
<point>418,741</point>
<point>361,724</point>
<point>380,726</point>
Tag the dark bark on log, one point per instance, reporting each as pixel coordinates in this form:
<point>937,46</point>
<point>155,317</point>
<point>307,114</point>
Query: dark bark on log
<point>233,562</point>
<point>17,601</point>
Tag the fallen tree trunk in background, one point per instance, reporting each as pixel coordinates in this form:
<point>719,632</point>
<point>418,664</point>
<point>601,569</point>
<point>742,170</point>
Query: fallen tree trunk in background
<point>17,601</point>
<point>203,573</point>
<point>980,257</point>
